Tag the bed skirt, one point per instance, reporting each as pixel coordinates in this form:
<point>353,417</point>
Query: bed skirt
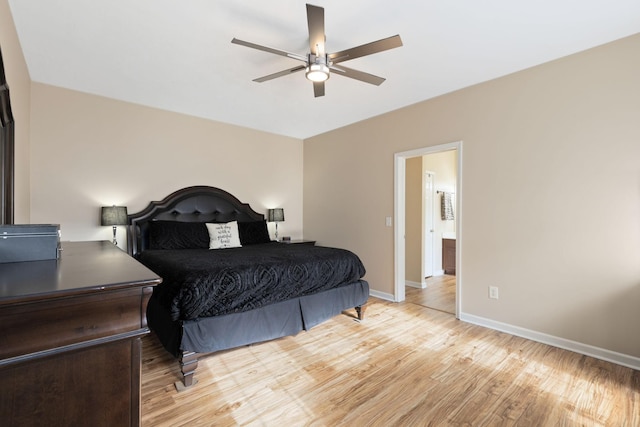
<point>211,334</point>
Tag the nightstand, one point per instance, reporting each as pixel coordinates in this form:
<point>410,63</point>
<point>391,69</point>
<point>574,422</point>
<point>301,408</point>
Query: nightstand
<point>298,242</point>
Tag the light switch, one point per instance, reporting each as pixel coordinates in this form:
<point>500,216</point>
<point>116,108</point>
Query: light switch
<point>388,222</point>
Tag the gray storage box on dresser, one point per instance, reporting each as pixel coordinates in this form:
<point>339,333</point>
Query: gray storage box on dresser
<point>29,242</point>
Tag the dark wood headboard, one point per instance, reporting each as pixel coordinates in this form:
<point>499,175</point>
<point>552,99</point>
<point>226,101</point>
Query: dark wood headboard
<point>192,204</point>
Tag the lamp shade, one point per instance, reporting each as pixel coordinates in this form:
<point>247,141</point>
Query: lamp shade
<point>275,215</point>
<point>114,215</point>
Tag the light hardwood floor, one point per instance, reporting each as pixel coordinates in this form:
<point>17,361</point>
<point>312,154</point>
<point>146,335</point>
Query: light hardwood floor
<point>404,365</point>
<point>440,294</point>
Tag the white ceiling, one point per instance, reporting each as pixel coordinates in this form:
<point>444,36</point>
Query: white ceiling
<point>177,55</point>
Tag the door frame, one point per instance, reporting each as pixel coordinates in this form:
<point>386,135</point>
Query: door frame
<point>399,213</point>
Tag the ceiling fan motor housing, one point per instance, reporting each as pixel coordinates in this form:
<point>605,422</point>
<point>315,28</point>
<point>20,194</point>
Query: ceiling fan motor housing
<point>317,68</point>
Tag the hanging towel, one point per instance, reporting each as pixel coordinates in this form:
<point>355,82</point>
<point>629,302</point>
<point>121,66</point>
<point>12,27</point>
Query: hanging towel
<point>446,210</point>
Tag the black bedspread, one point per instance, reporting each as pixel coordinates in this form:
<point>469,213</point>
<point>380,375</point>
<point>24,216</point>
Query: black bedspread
<point>203,283</point>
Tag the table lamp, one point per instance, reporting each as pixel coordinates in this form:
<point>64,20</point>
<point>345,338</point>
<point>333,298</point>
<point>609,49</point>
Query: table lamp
<point>114,215</point>
<point>275,215</point>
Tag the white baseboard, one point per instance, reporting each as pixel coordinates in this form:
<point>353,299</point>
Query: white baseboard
<point>411,284</point>
<point>382,295</point>
<point>577,347</point>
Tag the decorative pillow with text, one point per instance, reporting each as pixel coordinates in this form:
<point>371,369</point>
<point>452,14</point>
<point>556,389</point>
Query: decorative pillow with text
<point>224,235</point>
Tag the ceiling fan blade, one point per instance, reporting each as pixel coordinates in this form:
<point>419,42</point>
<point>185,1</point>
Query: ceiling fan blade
<point>318,89</point>
<point>269,49</point>
<point>366,49</point>
<point>279,74</point>
<point>315,21</point>
<point>358,75</point>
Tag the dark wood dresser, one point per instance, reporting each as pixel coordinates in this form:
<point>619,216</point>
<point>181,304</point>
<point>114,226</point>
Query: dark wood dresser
<point>70,329</point>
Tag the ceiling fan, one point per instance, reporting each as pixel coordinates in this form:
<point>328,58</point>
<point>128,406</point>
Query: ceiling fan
<point>318,63</point>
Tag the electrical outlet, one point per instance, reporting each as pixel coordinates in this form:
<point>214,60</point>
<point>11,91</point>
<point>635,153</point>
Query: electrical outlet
<point>493,292</point>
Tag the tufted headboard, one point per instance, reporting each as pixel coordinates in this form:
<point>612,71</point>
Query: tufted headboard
<point>191,204</point>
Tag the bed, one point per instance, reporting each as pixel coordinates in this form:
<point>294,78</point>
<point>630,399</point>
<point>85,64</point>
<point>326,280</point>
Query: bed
<point>244,292</point>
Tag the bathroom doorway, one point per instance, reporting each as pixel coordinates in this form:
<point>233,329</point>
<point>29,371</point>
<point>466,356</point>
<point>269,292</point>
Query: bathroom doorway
<point>416,170</point>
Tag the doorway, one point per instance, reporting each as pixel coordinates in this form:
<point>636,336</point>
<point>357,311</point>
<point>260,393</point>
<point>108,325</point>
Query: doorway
<point>400,230</point>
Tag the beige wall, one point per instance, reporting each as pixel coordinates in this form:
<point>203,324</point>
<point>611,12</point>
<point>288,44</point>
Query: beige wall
<point>19,83</point>
<point>89,151</point>
<point>413,222</point>
<point>550,193</point>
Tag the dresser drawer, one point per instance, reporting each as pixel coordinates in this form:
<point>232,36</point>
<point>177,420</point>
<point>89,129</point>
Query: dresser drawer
<point>32,327</point>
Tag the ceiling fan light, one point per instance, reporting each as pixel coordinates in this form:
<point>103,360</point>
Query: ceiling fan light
<point>317,72</point>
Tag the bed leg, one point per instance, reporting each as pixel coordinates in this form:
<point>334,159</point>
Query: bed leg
<point>188,366</point>
<point>360,310</point>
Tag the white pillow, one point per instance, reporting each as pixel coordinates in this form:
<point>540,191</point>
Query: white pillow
<point>224,235</point>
